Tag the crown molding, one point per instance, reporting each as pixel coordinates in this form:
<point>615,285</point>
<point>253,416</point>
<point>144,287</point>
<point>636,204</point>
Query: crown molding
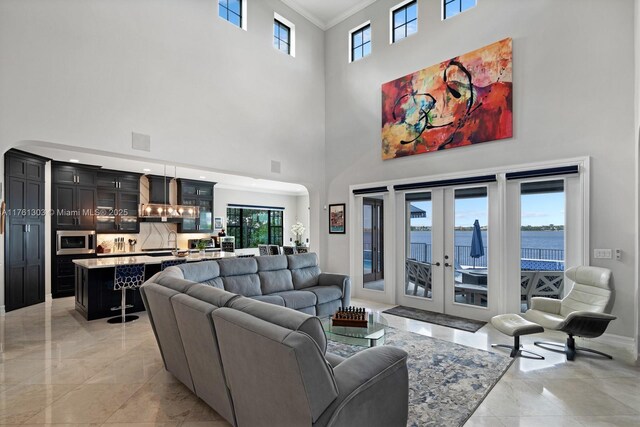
<point>331,23</point>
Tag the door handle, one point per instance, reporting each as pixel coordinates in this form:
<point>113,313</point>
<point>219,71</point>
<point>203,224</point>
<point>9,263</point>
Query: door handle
<point>446,264</point>
<point>437,264</point>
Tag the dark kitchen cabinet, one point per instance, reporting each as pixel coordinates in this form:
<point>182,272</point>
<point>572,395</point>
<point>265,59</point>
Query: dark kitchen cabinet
<point>24,242</point>
<point>74,196</point>
<point>64,274</point>
<point>118,197</point>
<point>200,194</point>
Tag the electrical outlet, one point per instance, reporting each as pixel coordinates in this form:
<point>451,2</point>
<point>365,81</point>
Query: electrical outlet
<point>602,253</point>
<point>618,254</point>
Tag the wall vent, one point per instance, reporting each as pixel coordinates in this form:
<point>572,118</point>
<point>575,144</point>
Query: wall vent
<point>275,166</point>
<point>140,141</point>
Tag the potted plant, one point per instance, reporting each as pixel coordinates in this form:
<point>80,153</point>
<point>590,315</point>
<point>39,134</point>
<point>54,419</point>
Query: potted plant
<point>201,246</point>
<point>298,230</point>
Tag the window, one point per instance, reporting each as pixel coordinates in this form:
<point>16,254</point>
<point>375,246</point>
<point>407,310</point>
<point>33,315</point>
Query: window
<point>404,20</point>
<point>453,7</point>
<point>360,42</point>
<point>231,10</point>
<point>255,226</point>
<point>281,37</point>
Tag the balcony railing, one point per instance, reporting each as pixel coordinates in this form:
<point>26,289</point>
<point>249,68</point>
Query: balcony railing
<point>552,258</point>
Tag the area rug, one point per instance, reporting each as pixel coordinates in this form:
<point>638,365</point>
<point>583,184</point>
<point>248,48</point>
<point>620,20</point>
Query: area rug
<point>461,323</point>
<point>447,381</point>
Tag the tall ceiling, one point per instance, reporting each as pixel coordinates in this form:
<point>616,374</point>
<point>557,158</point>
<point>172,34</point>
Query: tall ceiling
<point>327,13</point>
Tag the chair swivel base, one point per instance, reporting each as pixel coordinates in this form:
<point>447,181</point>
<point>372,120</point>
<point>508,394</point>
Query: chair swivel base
<point>121,319</point>
<point>518,351</point>
<point>569,348</point>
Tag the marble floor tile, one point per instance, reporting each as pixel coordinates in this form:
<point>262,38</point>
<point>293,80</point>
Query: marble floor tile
<point>68,371</point>
<point>610,421</point>
<point>87,403</point>
<point>20,403</point>
<point>161,403</point>
<point>128,370</point>
<point>539,421</point>
<point>58,369</point>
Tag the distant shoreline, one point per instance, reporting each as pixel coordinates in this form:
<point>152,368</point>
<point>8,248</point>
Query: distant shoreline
<point>550,227</point>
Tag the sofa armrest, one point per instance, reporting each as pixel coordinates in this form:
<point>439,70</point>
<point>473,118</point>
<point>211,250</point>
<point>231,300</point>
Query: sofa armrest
<point>548,305</point>
<point>373,387</point>
<point>342,281</point>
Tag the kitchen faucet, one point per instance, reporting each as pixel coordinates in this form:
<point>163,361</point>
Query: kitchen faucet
<point>174,240</point>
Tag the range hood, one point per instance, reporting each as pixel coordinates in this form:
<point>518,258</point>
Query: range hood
<point>159,207</point>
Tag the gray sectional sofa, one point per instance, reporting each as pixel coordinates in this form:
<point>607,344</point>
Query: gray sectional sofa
<point>293,281</point>
<point>260,363</point>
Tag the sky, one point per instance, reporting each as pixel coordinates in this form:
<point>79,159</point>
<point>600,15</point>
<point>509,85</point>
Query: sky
<point>537,209</point>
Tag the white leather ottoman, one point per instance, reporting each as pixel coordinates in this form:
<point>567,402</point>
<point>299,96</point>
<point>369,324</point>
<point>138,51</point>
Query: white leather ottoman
<point>515,326</point>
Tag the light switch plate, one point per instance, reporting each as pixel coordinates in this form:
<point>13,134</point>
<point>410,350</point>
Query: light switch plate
<point>602,253</point>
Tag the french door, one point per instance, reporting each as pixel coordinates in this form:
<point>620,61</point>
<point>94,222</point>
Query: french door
<point>450,233</point>
<point>373,240</point>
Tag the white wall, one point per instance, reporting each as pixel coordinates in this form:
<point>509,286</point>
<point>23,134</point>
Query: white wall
<point>637,158</point>
<point>573,65</point>
<point>86,73</point>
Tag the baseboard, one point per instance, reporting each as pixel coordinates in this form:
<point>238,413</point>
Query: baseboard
<point>48,298</point>
<point>2,311</point>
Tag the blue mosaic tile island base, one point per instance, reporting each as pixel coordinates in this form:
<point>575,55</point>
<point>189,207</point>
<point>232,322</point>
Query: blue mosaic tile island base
<point>447,381</point>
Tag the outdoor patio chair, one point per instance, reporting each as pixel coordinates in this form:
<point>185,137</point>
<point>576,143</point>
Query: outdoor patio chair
<point>546,284</point>
<point>419,274</point>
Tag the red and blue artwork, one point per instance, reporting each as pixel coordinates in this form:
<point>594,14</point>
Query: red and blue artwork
<point>463,101</point>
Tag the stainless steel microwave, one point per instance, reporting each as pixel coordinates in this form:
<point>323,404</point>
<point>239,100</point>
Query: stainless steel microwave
<point>75,242</point>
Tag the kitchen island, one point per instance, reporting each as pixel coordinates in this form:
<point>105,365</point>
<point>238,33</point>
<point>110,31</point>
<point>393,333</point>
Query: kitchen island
<point>94,281</point>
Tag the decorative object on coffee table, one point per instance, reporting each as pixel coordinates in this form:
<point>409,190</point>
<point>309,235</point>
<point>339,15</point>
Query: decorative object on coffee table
<point>356,317</point>
<point>337,218</point>
<point>371,335</point>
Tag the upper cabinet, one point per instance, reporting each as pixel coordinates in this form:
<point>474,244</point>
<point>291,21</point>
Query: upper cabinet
<point>64,173</point>
<point>200,194</point>
<point>74,196</point>
<point>118,197</point>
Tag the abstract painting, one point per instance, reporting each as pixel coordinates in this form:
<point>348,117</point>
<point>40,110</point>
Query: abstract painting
<point>465,100</point>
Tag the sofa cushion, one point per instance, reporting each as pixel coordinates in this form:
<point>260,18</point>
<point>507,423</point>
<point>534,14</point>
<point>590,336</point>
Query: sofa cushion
<point>297,261</point>
<point>275,281</point>
<point>271,299</point>
<point>211,295</point>
<point>305,277</point>
<point>326,293</point>
<point>216,283</point>
<point>290,319</point>
<point>298,299</point>
<point>272,262</point>
<point>172,282</point>
<point>247,285</point>
<point>237,266</point>
<point>199,271</point>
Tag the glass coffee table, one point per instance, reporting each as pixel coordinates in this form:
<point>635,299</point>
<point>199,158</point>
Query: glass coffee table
<point>371,336</point>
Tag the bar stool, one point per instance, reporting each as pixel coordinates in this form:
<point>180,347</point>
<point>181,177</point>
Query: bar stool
<point>129,276</point>
<point>171,263</point>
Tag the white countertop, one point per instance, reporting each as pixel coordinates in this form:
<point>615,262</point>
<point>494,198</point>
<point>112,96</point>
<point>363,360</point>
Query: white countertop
<point>107,254</point>
<point>107,262</point>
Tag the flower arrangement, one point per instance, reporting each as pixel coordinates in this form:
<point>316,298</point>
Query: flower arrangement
<point>298,229</point>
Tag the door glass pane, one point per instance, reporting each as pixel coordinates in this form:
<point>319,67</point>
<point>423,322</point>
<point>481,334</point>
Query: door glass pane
<point>542,224</point>
<point>470,246</point>
<point>373,243</point>
<point>418,262</point>
<point>367,239</point>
